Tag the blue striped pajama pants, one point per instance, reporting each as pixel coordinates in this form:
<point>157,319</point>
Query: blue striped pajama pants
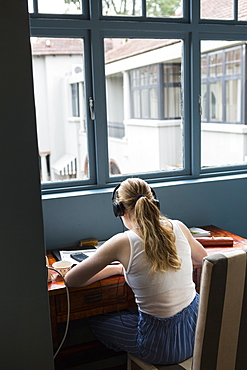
<point>155,340</point>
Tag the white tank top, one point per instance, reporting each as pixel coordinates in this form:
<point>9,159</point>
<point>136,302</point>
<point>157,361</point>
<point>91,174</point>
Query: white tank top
<point>162,294</point>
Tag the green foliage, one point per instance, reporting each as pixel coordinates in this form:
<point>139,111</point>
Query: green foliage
<point>76,2</point>
<point>131,7</point>
<point>162,7</point>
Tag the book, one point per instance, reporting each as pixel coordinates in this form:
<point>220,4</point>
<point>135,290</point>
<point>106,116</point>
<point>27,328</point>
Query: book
<point>197,231</point>
<point>215,241</point>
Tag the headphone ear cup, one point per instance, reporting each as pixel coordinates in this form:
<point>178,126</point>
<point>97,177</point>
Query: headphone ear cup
<point>155,200</point>
<point>118,208</point>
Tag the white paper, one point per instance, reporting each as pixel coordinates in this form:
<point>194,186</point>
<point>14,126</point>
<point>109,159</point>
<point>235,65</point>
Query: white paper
<point>65,254</point>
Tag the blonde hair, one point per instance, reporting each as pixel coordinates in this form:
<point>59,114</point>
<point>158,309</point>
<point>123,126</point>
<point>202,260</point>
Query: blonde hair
<point>158,237</point>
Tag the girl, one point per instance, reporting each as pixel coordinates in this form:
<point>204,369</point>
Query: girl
<point>156,256</point>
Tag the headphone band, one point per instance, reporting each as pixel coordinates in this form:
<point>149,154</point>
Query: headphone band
<point>118,207</point>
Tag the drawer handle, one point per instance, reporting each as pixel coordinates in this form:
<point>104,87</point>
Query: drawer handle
<point>93,297</point>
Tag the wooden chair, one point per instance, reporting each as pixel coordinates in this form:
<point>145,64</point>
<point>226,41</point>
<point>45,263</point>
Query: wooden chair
<point>220,339</point>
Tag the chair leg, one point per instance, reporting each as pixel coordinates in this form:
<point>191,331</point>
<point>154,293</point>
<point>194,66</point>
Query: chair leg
<point>128,362</point>
<point>141,364</point>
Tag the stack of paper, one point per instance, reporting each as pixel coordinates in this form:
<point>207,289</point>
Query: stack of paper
<point>197,231</point>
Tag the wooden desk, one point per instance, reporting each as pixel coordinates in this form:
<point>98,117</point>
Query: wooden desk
<point>110,294</point>
<point>238,243</point>
<point>107,295</point>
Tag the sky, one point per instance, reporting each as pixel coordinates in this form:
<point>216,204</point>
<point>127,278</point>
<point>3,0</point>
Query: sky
<point>53,6</point>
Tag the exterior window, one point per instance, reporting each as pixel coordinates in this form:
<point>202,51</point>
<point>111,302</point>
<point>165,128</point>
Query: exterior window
<point>75,100</point>
<point>222,85</point>
<point>156,91</point>
<point>223,130</point>
<point>172,90</point>
<point>144,83</point>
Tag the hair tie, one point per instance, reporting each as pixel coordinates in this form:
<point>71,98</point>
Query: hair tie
<point>139,196</point>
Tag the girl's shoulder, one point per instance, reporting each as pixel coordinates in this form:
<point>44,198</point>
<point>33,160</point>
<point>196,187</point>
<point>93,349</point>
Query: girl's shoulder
<point>168,222</point>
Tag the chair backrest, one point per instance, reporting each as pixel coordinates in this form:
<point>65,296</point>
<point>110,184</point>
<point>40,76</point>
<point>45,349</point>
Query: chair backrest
<point>220,341</point>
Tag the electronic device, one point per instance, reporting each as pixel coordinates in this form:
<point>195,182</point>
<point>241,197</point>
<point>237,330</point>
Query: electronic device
<point>79,256</point>
<point>118,207</point>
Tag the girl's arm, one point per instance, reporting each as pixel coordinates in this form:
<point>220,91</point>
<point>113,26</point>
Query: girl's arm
<point>198,252</point>
<point>73,278</point>
<point>97,266</point>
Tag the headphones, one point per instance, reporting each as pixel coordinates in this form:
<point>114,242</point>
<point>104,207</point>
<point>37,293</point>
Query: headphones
<point>118,207</point>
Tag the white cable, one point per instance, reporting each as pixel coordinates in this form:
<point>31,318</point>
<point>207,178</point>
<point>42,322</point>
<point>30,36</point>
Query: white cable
<point>68,313</point>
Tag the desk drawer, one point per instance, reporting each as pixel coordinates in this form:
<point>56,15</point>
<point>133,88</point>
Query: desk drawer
<point>87,299</point>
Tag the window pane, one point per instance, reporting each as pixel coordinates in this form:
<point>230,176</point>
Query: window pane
<point>203,67</point>
<point>215,67</point>
<point>172,102</point>
<point>58,70</point>
<point>217,9</point>
<point>153,74</point>
<point>158,8</point>
<point>122,8</point>
<point>172,90</point>
<point>75,97</point>
<point>144,76</point>
<point>223,129</point>
<point>30,6</point>
<point>153,103</point>
<point>145,103</point>
<point>215,103</point>
<point>136,104</point>
<point>242,10</point>
<point>145,87</point>
<point>60,6</point>
<point>233,101</point>
<point>204,101</point>
<point>135,83</point>
<point>161,8</point>
<point>233,61</point>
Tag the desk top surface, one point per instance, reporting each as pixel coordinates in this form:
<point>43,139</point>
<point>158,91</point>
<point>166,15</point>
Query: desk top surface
<point>57,283</point>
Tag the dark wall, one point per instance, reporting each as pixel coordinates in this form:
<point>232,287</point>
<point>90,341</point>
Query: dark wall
<point>25,326</point>
<point>218,201</point>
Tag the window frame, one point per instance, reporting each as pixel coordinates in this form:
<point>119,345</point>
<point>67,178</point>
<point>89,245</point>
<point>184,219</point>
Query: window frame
<point>93,28</point>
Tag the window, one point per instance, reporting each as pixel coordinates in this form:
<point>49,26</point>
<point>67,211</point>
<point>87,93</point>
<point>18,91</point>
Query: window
<point>156,91</point>
<point>134,8</point>
<point>144,82</point>
<point>148,88</point>
<point>59,91</point>
<point>56,6</point>
<point>75,99</point>
<point>145,101</point>
<point>223,107</point>
<point>222,77</point>
<point>172,90</point>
